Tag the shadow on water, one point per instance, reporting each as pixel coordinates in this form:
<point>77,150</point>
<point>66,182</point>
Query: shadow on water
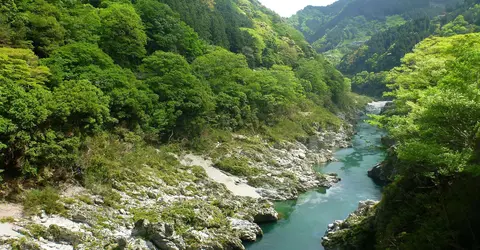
<point>305,220</point>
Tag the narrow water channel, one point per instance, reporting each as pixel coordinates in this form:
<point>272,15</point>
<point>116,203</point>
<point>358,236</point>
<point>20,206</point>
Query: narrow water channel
<point>306,219</point>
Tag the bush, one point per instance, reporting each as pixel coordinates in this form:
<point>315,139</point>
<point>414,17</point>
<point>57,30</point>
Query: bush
<point>237,166</point>
<point>46,199</point>
<point>196,214</point>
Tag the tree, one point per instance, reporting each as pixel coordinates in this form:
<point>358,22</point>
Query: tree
<point>436,135</point>
<point>226,74</point>
<point>43,27</point>
<point>314,73</point>
<point>82,24</point>
<point>274,93</point>
<point>166,31</point>
<point>457,26</point>
<point>122,36</point>
<point>24,108</point>
<point>253,48</point>
<point>185,99</point>
<point>12,25</point>
<point>79,107</point>
<point>131,102</point>
<point>369,83</point>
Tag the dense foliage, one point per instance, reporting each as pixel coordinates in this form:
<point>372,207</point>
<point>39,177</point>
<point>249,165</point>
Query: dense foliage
<point>371,84</point>
<point>384,50</point>
<point>436,126</point>
<point>162,70</point>
<point>346,25</point>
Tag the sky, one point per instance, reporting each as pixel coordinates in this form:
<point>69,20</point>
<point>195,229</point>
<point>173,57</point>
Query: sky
<point>286,8</point>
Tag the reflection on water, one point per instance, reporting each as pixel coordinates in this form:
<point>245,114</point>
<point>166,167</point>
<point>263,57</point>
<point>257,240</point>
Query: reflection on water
<point>305,220</point>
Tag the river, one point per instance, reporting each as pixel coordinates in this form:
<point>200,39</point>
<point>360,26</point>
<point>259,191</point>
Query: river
<point>306,219</point>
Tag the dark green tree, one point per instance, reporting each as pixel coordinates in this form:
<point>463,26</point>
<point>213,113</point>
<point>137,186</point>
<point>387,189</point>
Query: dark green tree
<point>186,100</point>
<point>166,31</point>
<point>122,35</point>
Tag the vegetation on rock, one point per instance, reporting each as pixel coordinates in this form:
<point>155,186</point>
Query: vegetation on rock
<point>435,126</point>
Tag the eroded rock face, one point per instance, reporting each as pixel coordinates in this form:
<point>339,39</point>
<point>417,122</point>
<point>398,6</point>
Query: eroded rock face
<point>288,166</point>
<point>246,230</point>
<point>162,235</point>
<point>265,215</point>
<point>378,174</point>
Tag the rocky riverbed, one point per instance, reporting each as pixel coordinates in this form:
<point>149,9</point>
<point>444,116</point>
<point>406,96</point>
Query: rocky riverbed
<point>358,226</point>
<point>204,208</point>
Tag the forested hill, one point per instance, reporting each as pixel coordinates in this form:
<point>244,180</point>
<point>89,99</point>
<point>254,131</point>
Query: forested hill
<point>340,28</point>
<point>367,60</point>
<point>163,70</point>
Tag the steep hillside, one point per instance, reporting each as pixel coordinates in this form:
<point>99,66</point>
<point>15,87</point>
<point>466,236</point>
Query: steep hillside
<point>152,73</point>
<point>369,63</point>
<point>385,49</point>
<point>433,123</point>
<point>340,28</point>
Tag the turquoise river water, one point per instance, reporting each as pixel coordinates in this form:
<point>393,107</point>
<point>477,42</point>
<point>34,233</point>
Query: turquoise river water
<point>306,219</point>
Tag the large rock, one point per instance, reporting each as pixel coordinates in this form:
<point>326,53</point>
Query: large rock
<point>211,240</point>
<point>246,230</point>
<point>265,215</point>
<point>328,180</point>
<point>384,172</point>
<point>378,175</point>
<point>162,235</point>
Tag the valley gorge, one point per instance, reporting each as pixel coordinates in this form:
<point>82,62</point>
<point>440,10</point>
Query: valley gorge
<point>220,125</point>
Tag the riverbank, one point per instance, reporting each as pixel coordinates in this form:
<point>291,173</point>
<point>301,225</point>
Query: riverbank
<point>175,200</point>
<point>306,219</point>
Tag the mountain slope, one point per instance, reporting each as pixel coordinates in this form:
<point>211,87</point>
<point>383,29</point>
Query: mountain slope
<point>338,29</point>
<point>385,49</point>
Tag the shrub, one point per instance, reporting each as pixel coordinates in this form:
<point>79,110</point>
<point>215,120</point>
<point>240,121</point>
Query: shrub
<point>45,199</point>
<point>85,198</point>
<point>237,166</point>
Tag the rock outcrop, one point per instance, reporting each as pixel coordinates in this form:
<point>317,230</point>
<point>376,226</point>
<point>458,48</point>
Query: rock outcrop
<point>344,234</point>
<point>287,167</point>
<point>384,172</point>
<point>162,235</point>
<point>265,215</point>
<point>246,230</point>
<point>378,174</point>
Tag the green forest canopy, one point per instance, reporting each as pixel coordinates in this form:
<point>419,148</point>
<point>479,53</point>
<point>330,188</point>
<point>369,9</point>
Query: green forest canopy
<point>436,127</point>
<point>71,70</point>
